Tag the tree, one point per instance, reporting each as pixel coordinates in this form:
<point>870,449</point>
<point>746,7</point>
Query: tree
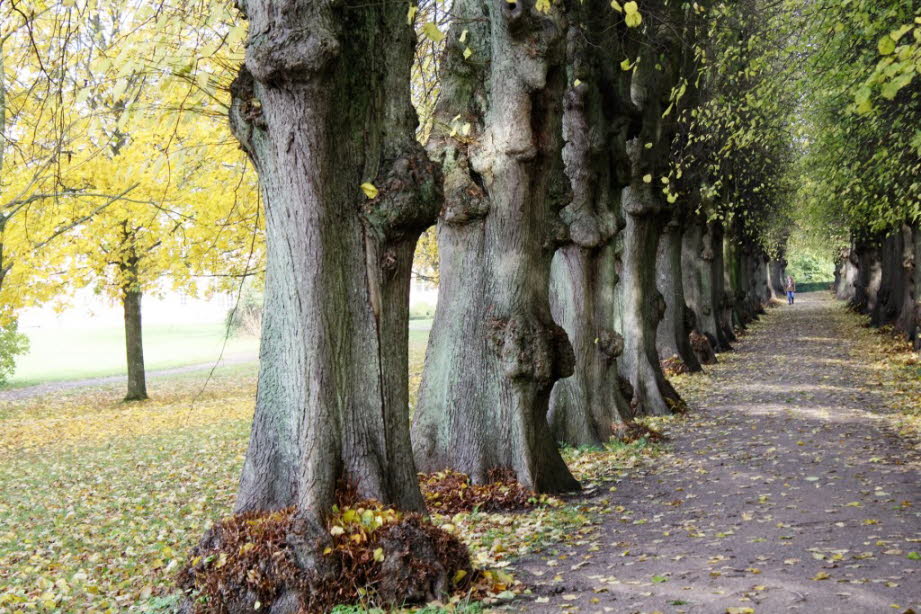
<point>495,351</point>
<point>322,107</point>
<point>176,221</point>
<point>586,406</point>
<point>656,57</point>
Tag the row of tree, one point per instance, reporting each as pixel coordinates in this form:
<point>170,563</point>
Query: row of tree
<point>603,193</point>
<point>876,206</point>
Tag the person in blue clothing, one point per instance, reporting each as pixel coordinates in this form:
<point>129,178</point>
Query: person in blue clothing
<point>791,289</point>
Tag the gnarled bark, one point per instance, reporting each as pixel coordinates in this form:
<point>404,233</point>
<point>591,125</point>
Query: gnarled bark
<point>585,406</point>
<point>643,208</point>
<point>906,320</point>
<point>703,279</point>
<point>321,106</point>
<point>495,351</point>
<point>673,333</point>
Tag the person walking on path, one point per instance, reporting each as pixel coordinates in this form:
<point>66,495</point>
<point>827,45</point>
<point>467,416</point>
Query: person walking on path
<point>791,289</point>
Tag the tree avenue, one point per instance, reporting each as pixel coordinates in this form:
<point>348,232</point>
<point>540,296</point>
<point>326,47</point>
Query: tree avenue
<point>613,188</point>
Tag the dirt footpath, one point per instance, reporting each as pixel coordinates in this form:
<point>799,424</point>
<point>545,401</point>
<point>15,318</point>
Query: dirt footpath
<point>786,490</point>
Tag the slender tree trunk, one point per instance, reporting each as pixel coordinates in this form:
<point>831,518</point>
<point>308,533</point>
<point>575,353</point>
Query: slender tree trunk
<point>321,106</point>
<point>673,334</point>
<point>495,351</point>
<point>134,344</point>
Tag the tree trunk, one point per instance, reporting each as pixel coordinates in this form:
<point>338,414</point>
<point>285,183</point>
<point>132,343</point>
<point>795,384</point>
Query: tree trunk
<point>586,406</point>
<point>708,256</point>
<point>776,275</point>
<point>916,278</point>
<point>891,281</point>
<point>494,351</point>
<point>673,333</point>
<point>697,271</point>
<point>722,288</point>
<point>321,106</point>
<point>643,208</point>
<point>134,344</point>
<point>906,321</point>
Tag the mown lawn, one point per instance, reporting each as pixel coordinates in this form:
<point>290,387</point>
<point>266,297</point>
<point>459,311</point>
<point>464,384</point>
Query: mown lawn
<point>61,354</point>
<point>58,354</point>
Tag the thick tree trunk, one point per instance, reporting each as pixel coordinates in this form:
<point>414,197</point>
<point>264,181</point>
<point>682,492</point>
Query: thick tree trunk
<point>673,333</point>
<point>495,351</point>
<point>643,208</point>
<point>322,106</point>
<point>586,406</point>
<point>916,278</point>
<point>734,290</point>
<point>906,320</point>
<point>846,275</point>
<point>868,279</point>
<point>776,274</point>
<point>643,308</point>
<point>697,271</point>
<point>134,344</point>
<point>722,287</point>
<point>762,281</point>
<point>891,283</point>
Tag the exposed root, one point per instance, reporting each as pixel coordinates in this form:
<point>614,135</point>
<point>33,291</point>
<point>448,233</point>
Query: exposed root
<point>450,492</point>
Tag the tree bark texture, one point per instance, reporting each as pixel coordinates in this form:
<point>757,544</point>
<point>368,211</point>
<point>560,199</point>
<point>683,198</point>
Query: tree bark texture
<point>673,333</point>
<point>906,319</point>
<point>134,343</point>
<point>776,269</point>
<point>495,352</point>
<point>869,274</point>
<point>703,277</point>
<point>583,275</point>
<point>321,106</point>
<point>644,210</point>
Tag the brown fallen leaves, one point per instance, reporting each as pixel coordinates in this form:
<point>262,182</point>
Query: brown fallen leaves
<point>450,492</point>
<point>369,553</point>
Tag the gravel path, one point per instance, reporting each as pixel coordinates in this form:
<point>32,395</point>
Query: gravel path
<point>786,490</point>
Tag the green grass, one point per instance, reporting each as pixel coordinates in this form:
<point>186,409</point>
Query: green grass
<point>71,354</point>
<point>59,354</point>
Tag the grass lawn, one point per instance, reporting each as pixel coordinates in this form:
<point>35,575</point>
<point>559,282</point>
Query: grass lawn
<point>68,354</point>
<point>100,501</point>
<point>58,354</point>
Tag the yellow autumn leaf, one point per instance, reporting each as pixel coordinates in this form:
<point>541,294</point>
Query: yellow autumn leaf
<point>821,576</point>
<point>369,189</point>
<point>632,16</point>
<point>379,555</point>
<point>431,31</point>
<point>647,178</point>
